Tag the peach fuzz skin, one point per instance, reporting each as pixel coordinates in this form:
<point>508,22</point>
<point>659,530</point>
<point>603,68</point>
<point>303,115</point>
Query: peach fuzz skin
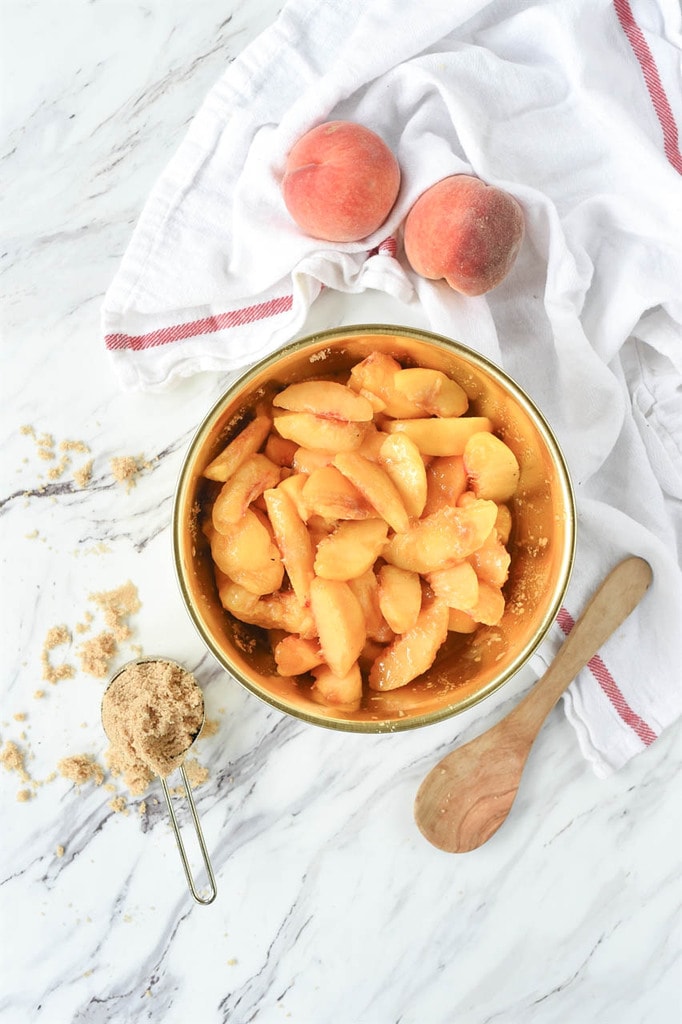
<point>340,182</point>
<point>464,231</point>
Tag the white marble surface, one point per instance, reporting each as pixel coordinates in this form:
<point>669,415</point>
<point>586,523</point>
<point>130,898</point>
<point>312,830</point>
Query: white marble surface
<point>331,907</point>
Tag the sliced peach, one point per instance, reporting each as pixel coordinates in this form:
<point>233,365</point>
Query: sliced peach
<point>339,621</point>
<point>371,445</point>
<point>366,589</point>
<point>307,459</point>
<point>489,608</point>
<point>279,450</point>
<point>376,486</point>
<point>401,459</point>
<point>328,493</point>
<point>374,375</point>
<point>400,597</point>
<point>249,481</point>
<point>446,479</point>
<point>461,622</point>
<point>491,561</point>
<point>351,549</point>
<point>281,610</point>
<point>293,540</point>
<point>311,431</point>
<point>457,585</point>
<point>339,691</point>
<point>293,486</point>
<point>447,536</point>
<point>325,398</point>
<point>295,656</point>
<point>503,523</point>
<point>246,443</point>
<point>447,435</point>
<point>431,391</point>
<point>320,528</point>
<point>491,466</point>
<point>413,652</point>
<point>247,555</point>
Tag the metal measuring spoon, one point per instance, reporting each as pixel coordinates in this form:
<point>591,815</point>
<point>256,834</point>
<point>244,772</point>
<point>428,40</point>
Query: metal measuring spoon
<point>116,678</point>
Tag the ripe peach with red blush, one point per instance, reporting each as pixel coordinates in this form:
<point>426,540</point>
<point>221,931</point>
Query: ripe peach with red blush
<point>340,182</point>
<point>464,231</point>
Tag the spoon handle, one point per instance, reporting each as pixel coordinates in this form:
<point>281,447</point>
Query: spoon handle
<point>609,606</point>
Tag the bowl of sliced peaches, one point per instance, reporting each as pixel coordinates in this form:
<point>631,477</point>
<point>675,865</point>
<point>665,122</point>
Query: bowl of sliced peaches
<point>373,528</point>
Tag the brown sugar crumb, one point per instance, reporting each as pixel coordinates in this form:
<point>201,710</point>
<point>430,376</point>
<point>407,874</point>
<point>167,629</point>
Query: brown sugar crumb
<point>83,475</point>
<point>80,768</point>
<point>95,655</point>
<point>57,636</point>
<point>74,446</point>
<point>24,795</point>
<point>196,773</point>
<point>12,758</point>
<point>126,469</point>
<point>59,851</point>
<point>55,472</point>
<point>151,714</point>
<point>84,626</point>
<point>211,726</point>
<point>33,535</point>
<point>39,694</point>
<point>118,804</point>
<point>117,605</point>
<point>142,809</point>
<point>27,430</point>
<point>20,716</point>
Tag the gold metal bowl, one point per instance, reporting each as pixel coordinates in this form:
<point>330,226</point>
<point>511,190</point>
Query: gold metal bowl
<point>468,667</point>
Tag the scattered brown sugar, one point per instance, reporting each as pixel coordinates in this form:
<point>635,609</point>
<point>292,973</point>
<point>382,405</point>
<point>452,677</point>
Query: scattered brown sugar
<point>117,605</point>
<point>119,805</point>
<point>59,851</point>
<point>142,809</point>
<point>196,773</point>
<point>12,758</point>
<point>83,475</point>
<point>56,472</point>
<point>20,716</point>
<point>74,446</point>
<point>151,714</point>
<point>57,636</point>
<point>211,726</point>
<point>95,655</point>
<point>84,626</point>
<point>39,694</point>
<point>24,795</point>
<point>80,768</point>
<point>126,469</point>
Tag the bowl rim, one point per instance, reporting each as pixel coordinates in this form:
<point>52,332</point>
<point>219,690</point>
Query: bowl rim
<point>564,479</point>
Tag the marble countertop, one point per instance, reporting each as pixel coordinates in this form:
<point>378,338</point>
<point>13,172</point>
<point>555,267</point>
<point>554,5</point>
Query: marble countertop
<point>331,907</point>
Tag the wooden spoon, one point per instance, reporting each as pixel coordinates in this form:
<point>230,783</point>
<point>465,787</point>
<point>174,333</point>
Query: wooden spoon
<point>467,796</point>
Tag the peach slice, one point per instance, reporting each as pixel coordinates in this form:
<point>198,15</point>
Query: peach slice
<point>328,493</point>
<point>293,486</point>
<point>402,461</point>
<point>281,610</point>
<point>431,391</point>
<point>325,398</point>
<point>248,555</point>
<point>503,523</point>
<point>351,549</point>
<point>339,621</point>
<point>246,443</point>
<point>376,487</point>
<point>447,536</point>
<point>491,561</point>
<point>340,691</point>
<point>311,431</point>
<point>457,585</point>
<point>400,597</point>
<point>308,459</point>
<point>280,451</point>
<point>248,482</point>
<point>366,589</point>
<point>461,622</point>
<point>294,656</point>
<point>374,376</point>
<point>293,540</point>
<point>491,466</point>
<point>413,652</point>
<point>446,480</point>
<point>447,435</point>
<point>489,608</point>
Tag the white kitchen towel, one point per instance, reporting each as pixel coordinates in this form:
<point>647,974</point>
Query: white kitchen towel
<point>571,107</point>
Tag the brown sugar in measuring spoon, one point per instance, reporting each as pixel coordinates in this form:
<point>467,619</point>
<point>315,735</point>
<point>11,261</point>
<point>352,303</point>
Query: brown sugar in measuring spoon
<point>467,796</point>
<point>152,711</point>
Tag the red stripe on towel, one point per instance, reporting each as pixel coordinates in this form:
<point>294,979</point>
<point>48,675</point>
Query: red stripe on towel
<point>640,48</point>
<point>611,688</point>
<point>207,325</point>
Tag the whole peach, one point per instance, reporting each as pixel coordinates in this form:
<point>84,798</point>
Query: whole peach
<point>464,231</point>
<point>340,182</point>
